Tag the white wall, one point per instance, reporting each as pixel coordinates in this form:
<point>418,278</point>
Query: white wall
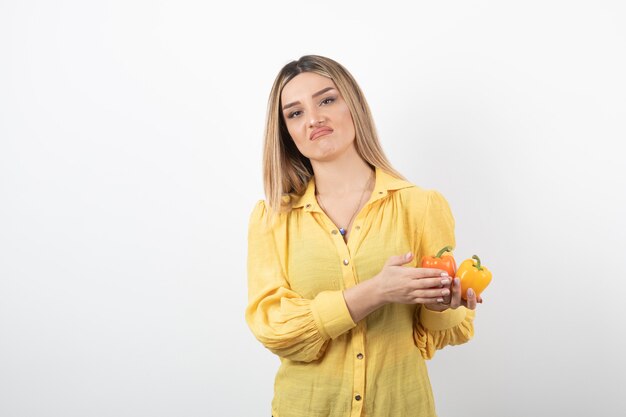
<point>130,158</point>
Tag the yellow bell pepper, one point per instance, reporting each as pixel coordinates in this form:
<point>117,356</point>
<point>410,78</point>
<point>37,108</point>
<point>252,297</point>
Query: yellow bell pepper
<point>473,275</point>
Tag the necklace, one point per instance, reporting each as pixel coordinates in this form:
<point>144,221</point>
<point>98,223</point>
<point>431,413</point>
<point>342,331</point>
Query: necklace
<point>341,229</point>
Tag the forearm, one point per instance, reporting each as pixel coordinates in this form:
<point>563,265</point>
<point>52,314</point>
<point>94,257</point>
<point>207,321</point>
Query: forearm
<point>297,328</point>
<point>363,299</point>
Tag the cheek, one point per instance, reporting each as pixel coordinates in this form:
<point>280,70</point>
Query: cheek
<point>346,119</point>
<point>297,130</point>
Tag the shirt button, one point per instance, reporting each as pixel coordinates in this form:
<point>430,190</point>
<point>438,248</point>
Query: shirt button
<point>358,227</point>
<point>346,262</point>
<point>380,192</point>
<point>359,356</point>
<point>308,206</point>
<point>357,397</point>
<point>334,232</point>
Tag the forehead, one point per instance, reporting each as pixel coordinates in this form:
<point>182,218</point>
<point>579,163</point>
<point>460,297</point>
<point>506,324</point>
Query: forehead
<point>304,85</point>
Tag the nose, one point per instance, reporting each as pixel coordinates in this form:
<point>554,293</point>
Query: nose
<point>315,118</point>
<point>316,121</point>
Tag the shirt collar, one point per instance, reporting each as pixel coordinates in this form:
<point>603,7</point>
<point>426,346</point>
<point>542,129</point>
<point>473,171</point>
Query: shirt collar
<point>384,183</point>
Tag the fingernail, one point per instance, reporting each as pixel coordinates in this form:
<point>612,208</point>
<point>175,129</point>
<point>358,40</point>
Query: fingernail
<point>445,281</point>
<point>444,274</point>
<point>457,281</point>
<point>445,291</point>
<point>440,300</point>
<point>470,292</point>
<point>407,256</point>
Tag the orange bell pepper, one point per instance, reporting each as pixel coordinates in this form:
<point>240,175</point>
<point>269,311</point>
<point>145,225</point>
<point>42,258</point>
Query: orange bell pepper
<point>473,275</point>
<point>445,262</point>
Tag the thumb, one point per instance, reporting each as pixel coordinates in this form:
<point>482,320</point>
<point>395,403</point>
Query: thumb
<point>399,260</point>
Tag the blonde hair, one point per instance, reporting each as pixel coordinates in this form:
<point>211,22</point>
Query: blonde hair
<point>285,169</point>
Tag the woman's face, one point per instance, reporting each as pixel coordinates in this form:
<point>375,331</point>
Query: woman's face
<point>317,117</point>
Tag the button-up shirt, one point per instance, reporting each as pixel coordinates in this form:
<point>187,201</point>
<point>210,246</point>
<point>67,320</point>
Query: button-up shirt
<point>298,269</point>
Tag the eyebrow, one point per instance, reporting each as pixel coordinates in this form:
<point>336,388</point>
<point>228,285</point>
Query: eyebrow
<point>322,91</point>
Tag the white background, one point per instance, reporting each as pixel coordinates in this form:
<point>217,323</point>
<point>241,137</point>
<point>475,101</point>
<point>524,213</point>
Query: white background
<point>130,160</point>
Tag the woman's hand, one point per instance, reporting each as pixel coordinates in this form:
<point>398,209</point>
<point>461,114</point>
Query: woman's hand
<point>407,285</point>
<point>456,300</point>
<point>396,283</point>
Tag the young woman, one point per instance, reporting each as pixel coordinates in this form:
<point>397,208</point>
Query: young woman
<point>335,287</point>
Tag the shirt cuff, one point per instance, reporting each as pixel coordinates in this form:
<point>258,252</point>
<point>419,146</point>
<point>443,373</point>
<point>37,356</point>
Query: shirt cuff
<point>442,320</point>
<point>331,314</point>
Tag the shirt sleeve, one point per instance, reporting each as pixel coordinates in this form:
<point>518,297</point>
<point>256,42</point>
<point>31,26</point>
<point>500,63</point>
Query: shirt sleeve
<point>287,324</point>
<point>437,225</point>
<point>434,330</point>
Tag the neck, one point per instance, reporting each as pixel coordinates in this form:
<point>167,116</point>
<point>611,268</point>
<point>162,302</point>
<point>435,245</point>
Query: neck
<point>338,177</point>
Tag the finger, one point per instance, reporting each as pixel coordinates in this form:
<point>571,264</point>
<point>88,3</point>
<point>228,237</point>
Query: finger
<point>471,299</point>
<point>447,299</point>
<point>423,300</point>
<point>455,300</point>
<point>441,282</point>
<point>420,273</point>
<point>399,260</point>
<point>434,294</point>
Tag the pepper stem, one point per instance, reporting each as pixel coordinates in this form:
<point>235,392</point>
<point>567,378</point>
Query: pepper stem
<point>442,251</point>
<point>480,268</point>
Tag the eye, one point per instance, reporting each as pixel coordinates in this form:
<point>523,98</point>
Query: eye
<point>293,114</point>
<point>328,100</point>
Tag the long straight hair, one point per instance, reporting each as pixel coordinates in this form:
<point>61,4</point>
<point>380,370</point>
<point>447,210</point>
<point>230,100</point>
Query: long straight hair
<point>285,170</point>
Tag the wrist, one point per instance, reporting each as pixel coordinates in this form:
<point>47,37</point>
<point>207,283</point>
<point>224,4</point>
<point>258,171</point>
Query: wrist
<point>363,299</point>
<point>436,307</point>
<point>376,291</point>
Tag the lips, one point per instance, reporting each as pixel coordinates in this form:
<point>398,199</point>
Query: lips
<point>320,131</point>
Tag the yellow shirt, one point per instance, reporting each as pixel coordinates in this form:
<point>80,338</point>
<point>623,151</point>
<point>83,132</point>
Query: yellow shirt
<point>297,271</point>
